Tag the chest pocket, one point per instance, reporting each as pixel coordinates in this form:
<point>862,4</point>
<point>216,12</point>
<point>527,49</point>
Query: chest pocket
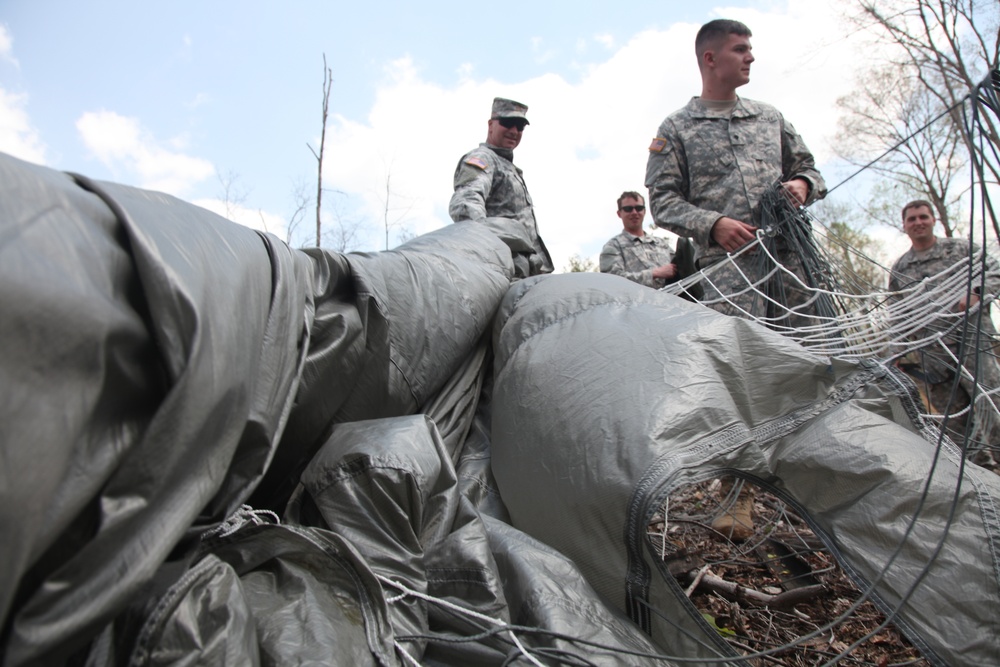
<point>762,139</point>
<point>708,151</point>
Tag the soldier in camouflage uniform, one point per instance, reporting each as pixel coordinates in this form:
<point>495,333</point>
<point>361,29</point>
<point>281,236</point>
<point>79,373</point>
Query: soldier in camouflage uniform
<point>933,367</point>
<point>711,161</point>
<point>708,167</point>
<point>635,255</point>
<point>489,189</point>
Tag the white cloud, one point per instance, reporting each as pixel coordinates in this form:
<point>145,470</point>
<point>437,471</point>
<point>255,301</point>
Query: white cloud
<point>465,71</point>
<point>199,100</point>
<point>252,218</point>
<point>17,136</point>
<point>607,41</point>
<point>542,54</point>
<point>588,139</point>
<point>134,156</point>
<point>7,46</point>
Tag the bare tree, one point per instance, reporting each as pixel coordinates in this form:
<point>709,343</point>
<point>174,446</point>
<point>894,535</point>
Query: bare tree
<point>848,247</point>
<point>344,235</point>
<point>327,86</point>
<point>231,193</point>
<point>405,234</point>
<point>392,216</point>
<point>941,50</point>
<point>578,264</point>
<point>891,109</point>
<point>300,202</point>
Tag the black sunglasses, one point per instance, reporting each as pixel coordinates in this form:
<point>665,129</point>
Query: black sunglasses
<point>508,123</point>
<point>629,209</point>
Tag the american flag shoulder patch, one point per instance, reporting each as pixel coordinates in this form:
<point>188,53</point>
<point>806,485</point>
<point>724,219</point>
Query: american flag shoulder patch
<point>659,143</point>
<point>476,162</point>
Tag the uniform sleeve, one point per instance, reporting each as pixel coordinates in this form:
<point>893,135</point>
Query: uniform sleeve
<point>991,279</point>
<point>473,184</point>
<point>894,282</point>
<point>667,178</point>
<point>613,261</point>
<point>798,162</point>
<point>900,275</point>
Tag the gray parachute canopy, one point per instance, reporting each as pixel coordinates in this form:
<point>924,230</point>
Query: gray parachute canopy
<point>463,467</point>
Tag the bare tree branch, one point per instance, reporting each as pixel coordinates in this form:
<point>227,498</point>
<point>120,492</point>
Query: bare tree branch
<point>301,201</point>
<point>388,211</point>
<point>231,193</point>
<point>940,50</point>
<point>327,87</point>
<point>950,45</point>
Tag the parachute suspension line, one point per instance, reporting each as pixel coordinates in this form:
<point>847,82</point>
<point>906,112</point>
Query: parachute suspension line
<point>407,658</point>
<point>243,516</point>
<point>801,279</point>
<point>903,141</point>
<point>409,592</point>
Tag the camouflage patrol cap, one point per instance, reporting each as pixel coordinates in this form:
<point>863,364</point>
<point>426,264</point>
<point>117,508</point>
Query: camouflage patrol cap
<point>504,108</point>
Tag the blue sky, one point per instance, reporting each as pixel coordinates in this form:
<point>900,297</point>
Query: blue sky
<point>187,97</point>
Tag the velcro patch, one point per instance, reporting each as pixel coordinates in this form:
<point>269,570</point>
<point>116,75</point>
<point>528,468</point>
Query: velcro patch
<point>658,145</point>
<point>476,162</point>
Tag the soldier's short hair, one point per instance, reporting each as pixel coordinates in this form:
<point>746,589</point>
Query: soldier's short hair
<point>630,194</point>
<point>917,203</point>
<point>713,31</point>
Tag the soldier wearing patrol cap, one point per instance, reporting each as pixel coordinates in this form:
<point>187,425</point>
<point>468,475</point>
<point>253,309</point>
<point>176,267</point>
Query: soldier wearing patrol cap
<point>491,190</point>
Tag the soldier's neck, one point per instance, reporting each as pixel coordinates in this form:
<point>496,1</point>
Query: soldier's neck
<point>711,90</point>
<point>502,152</point>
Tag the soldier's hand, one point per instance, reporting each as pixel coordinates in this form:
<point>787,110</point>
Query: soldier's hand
<point>732,234</point>
<point>964,304</point>
<point>798,188</point>
<point>665,272</point>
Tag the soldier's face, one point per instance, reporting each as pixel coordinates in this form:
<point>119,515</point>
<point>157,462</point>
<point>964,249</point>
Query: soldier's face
<point>504,137</point>
<point>918,223</point>
<point>632,220</point>
<point>732,60</point>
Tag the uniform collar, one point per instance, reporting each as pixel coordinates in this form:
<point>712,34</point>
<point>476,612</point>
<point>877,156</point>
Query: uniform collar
<point>744,109</point>
<point>505,153</point>
<point>645,238</point>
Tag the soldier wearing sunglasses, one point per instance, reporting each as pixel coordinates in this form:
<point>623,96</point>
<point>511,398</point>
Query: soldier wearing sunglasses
<point>491,190</point>
<point>634,254</point>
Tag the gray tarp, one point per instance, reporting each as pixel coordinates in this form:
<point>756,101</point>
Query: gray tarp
<point>609,396</point>
<point>162,367</point>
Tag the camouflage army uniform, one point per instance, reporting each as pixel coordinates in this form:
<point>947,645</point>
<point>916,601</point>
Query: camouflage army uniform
<point>931,367</point>
<point>489,188</point>
<point>635,257</point>
<point>705,164</point>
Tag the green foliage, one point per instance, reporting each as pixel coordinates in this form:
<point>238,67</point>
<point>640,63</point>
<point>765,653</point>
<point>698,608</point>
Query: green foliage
<point>725,632</point>
<point>579,264</point>
<point>854,254</point>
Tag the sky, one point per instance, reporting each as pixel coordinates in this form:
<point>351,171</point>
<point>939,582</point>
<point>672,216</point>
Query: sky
<point>220,103</point>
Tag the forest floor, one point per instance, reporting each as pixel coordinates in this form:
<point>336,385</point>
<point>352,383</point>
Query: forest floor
<point>778,597</point>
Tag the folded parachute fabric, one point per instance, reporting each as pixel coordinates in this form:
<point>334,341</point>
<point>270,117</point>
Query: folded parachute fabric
<point>161,364</point>
<point>609,396</point>
<point>221,450</point>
